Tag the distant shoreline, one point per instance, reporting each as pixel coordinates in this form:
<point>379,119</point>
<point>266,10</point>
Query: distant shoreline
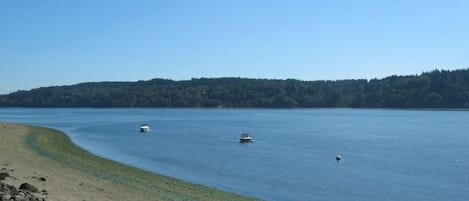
<point>435,89</point>
<point>71,173</point>
<point>249,108</point>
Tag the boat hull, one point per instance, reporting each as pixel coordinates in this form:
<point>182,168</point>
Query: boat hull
<point>245,140</point>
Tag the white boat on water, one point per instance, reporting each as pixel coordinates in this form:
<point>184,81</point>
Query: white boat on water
<point>144,128</point>
<point>245,137</point>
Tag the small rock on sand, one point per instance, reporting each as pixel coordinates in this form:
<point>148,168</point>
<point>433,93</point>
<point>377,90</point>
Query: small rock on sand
<point>44,192</point>
<point>3,175</point>
<point>11,193</point>
<point>7,189</point>
<point>28,187</point>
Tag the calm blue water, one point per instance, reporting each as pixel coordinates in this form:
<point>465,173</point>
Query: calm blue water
<point>387,154</point>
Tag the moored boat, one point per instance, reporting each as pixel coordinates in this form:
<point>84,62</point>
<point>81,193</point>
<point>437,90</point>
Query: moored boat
<point>245,137</point>
<point>144,128</point>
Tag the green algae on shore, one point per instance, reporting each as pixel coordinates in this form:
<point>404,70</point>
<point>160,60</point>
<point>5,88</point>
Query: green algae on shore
<point>58,147</point>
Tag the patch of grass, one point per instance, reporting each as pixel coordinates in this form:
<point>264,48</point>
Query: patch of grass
<point>58,147</point>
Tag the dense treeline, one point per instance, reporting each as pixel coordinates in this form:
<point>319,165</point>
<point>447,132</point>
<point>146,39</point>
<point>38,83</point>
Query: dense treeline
<point>436,89</point>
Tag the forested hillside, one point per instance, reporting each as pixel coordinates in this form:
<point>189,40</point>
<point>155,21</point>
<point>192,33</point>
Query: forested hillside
<point>436,89</point>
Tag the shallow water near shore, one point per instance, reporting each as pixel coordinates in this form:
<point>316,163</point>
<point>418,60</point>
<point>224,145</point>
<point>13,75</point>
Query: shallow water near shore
<point>387,154</point>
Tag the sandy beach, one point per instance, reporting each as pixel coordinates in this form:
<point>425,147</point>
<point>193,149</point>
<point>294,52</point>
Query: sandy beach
<point>61,171</point>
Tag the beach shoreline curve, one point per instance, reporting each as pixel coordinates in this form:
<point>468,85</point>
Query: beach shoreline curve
<point>72,173</point>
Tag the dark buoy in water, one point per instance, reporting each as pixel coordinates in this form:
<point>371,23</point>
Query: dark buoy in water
<point>338,158</point>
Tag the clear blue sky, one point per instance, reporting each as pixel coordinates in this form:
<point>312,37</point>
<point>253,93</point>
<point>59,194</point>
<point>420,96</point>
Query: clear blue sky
<point>64,42</point>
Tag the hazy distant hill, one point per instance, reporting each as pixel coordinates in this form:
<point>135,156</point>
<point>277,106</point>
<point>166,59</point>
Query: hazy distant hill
<point>436,89</point>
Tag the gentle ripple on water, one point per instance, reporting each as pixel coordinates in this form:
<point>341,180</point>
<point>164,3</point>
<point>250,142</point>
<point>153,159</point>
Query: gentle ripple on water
<point>387,154</point>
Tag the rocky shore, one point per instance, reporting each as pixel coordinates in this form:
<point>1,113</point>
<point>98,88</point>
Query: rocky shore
<point>25,191</point>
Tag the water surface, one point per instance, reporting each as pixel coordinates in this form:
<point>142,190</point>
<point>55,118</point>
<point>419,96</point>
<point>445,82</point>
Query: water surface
<point>387,154</point>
